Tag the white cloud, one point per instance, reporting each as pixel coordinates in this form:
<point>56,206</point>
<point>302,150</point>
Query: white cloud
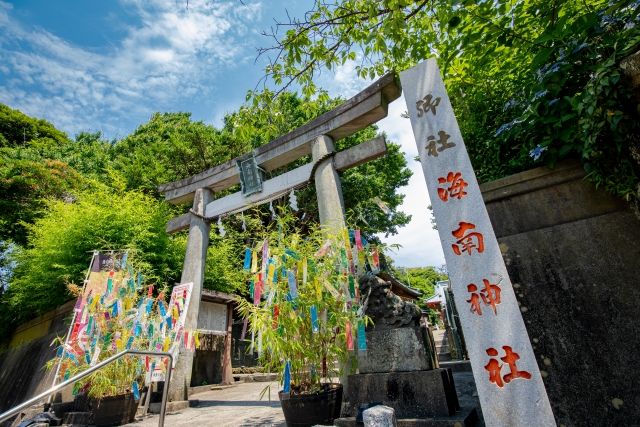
<point>170,54</point>
<point>420,242</point>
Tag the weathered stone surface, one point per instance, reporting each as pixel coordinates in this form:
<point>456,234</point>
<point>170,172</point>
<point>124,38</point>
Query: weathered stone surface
<point>394,350</point>
<point>387,310</point>
<point>466,417</point>
<point>415,394</point>
<point>572,253</point>
<point>192,271</point>
<point>379,416</point>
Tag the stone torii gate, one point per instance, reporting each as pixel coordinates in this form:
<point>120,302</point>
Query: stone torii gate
<point>316,138</point>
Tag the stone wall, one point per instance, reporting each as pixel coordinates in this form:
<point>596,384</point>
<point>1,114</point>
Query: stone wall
<point>22,361</point>
<point>573,254</point>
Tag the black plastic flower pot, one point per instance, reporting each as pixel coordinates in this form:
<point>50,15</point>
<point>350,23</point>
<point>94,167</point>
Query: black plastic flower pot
<point>114,410</point>
<point>302,410</point>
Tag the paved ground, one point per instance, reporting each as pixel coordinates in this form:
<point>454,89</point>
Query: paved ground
<point>240,406</point>
<point>236,406</point>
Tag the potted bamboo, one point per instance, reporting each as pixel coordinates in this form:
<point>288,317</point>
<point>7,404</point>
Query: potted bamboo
<point>113,313</point>
<point>303,315</point>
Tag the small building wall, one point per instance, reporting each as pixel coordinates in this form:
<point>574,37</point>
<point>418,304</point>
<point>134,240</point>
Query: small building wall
<point>573,254</point>
<point>212,316</point>
<point>208,359</point>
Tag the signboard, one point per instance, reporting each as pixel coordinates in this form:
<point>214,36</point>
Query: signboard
<point>179,304</point>
<point>507,377</point>
<point>250,176</point>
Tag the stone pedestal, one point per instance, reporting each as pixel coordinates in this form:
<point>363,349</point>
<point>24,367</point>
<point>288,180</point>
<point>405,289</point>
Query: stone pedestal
<point>404,349</point>
<point>415,394</point>
<point>399,368</point>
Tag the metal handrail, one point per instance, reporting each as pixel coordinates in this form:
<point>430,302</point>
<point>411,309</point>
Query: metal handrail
<point>15,410</point>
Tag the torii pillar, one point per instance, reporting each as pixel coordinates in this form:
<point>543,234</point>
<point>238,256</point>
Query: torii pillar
<point>328,187</point>
<point>195,260</point>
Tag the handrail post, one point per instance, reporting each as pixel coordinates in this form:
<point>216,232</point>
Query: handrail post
<point>16,409</point>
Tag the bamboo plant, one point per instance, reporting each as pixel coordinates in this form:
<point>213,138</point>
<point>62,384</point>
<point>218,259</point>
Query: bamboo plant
<point>303,308</point>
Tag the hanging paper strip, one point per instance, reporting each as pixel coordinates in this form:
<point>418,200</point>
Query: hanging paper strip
<point>347,240</point>
<point>247,259</point>
<point>123,263</point>
<point>276,313</point>
<point>78,307</point>
<point>254,262</point>
<point>139,281</point>
<point>376,259</point>
<point>196,339</point>
<point>287,378</point>
<point>135,390</point>
<point>150,291</point>
<point>314,319</point>
<point>352,287</point>
<point>323,250</point>
<point>265,255</point>
<point>293,254</point>
<point>270,275</point>
<point>257,292</point>
<point>109,285</point>
<point>251,288</point>
<point>362,339</point>
<point>349,336</point>
<point>358,240</point>
<point>304,272</point>
<point>293,287</point>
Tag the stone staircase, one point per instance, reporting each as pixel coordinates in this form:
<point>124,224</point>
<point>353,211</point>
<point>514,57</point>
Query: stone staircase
<point>442,345</point>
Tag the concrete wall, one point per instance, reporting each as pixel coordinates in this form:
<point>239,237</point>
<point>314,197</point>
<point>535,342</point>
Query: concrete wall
<point>573,255</point>
<point>22,373</point>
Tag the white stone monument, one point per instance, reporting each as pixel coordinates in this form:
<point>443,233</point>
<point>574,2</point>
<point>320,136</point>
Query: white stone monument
<point>507,377</point>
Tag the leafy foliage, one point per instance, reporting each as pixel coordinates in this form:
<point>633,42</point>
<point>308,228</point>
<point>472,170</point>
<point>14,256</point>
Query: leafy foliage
<point>62,198</point>
<point>26,182</point>
<point>61,241</point>
<point>169,147</point>
<point>421,278</point>
<point>289,335</point>
<point>522,75</point>
<point>17,128</point>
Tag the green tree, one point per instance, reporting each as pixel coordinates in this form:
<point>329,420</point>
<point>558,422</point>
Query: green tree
<point>26,182</point>
<point>168,147</point>
<point>16,128</point>
<point>525,78</point>
<point>61,242</point>
<point>422,278</point>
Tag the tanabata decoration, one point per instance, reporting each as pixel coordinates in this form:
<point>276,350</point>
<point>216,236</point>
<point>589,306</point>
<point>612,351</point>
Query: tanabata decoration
<point>117,311</point>
<point>304,304</point>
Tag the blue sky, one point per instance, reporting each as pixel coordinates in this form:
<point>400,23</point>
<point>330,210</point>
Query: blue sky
<point>108,65</point>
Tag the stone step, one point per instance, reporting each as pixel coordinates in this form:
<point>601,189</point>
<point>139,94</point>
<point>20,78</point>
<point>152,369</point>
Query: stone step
<point>443,357</point>
<point>203,388</point>
<point>457,365</point>
<point>257,377</point>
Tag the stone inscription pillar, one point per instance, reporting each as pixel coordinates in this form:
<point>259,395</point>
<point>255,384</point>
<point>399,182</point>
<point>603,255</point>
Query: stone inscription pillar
<point>192,271</point>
